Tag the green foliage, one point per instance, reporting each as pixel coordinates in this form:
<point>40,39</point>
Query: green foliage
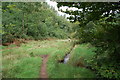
<point>99,26</point>
<point>95,24</point>
<point>89,10</point>
<point>32,21</point>
<point>104,34</point>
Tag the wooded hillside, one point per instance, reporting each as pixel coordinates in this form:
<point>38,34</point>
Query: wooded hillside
<point>32,21</point>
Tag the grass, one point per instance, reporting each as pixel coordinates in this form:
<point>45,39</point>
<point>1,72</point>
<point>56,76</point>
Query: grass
<point>68,71</point>
<point>10,46</point>
<point>60,70</point>
<point>25,61</point>
<point>82,53</point>
<point>24,68</point>
<point>16,62</point>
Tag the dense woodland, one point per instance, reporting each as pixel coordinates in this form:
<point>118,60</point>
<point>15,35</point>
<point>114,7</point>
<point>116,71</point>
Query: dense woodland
<point>97,24</point>
<point>32,21</point>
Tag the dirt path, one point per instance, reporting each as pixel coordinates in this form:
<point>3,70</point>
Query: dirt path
<point>43,72</point>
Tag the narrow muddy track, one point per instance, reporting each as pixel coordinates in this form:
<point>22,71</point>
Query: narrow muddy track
<point>43,70</point>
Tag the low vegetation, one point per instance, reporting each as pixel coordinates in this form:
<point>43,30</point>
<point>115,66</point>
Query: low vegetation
<point>58,69</point>
<point>25,61</point>
<point>81,54</point>
<point>17,63</point>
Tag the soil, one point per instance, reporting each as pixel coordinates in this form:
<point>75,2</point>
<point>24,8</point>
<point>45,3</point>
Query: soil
<point>43,72</point>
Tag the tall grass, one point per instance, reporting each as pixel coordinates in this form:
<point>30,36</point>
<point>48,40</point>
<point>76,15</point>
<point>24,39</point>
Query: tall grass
<point>81,54</point>
<point>60,70</point>
<point>17,63</point>
<point>24,68</point>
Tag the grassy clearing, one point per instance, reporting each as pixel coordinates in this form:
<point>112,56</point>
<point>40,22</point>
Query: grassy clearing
<point>25,62</point>
<point>60,70</point>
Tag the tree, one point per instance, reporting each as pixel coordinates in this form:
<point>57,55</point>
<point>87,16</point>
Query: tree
<point>33,20</point>
<point>99,25</point>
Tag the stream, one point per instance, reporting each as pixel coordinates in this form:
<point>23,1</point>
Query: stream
<point>67,57</point>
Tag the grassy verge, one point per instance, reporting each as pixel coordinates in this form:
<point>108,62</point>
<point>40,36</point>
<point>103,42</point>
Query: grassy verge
<point>60,70</point>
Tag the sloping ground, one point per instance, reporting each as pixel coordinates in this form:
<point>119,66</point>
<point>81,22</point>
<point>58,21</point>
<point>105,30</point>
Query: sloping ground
<point>25,61</point>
